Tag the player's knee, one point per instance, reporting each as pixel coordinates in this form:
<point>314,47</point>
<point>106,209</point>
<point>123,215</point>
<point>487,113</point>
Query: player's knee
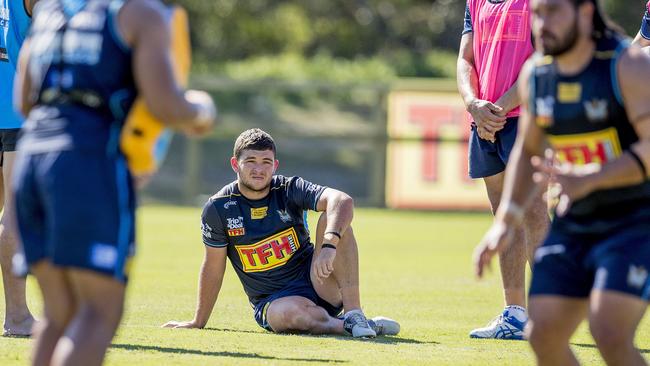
<point>49,327</point>
<point>609,336</point>
<point>297,318</point>
<point>107,316</point>
<point>540,335</point>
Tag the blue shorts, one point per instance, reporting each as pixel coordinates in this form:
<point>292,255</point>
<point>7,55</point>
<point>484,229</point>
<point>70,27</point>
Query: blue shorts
<point>76,209</point>
<point>571,265</point>
<point>300,287</point>
<point>489,158</point>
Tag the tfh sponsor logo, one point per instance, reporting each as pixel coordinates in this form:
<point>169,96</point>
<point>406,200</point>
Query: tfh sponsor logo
<point>269,253</point>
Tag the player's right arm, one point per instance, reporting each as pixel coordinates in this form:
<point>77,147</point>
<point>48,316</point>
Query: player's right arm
<point>486,115</point>
<point>210,280</point>
<point>144,28</point>
<point>212,269</point>
<point>519,189</point>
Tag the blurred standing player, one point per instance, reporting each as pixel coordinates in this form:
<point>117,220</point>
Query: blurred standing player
<point>15,16</point>
<point>588,100</point>
<point>259,223</point>
<point>495,44</point>
<point>643,37</point>
<point>80,71</point>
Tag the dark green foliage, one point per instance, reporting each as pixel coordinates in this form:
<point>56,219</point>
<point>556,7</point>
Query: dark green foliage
<point>408,37</point>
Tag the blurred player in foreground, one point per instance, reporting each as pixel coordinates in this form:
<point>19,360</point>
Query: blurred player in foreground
<point>259,223</point>
<point>80,70</point>
<point>587,99</point>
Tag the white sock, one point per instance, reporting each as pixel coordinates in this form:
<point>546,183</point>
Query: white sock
<point>518,312</point>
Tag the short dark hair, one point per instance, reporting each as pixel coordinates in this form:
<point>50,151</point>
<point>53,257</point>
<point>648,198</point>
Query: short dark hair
<point>253,139</point>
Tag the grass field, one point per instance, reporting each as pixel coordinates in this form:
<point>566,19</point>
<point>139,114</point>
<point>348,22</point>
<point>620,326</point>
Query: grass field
<point>415,267</point>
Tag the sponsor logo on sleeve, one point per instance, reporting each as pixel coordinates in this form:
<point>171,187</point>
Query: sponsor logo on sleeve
<point>259,213</point>
<point>269,253</point>
<point>206,230</point>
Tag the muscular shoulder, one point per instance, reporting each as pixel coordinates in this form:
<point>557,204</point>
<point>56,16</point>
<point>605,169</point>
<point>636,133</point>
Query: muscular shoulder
<point>140,16</point>
<point>226,193</point>
<point>634,63</point>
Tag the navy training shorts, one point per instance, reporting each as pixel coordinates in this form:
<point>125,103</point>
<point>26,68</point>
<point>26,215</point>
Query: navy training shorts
<point>571,265</point>
<point>302,287</point>
<point>489,158</point>
<point>76,209</point>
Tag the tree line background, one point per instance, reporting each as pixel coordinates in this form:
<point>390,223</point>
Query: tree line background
<point>339,40</point>
<point>317,75</point>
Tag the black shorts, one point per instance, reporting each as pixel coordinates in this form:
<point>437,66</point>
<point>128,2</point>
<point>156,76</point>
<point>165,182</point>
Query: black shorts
<point>300,287</point>
<point>8,139</point>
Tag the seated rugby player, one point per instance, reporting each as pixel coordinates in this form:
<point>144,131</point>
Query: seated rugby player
<point>259,223</point>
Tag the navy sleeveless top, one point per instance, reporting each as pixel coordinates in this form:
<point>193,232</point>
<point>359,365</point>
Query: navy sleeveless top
<point>586,124</point>
<point>81,76</point>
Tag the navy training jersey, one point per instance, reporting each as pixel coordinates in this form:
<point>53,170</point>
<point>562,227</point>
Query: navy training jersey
<point>81,76</point>
<point>586,124</point>
<point>267,240</point>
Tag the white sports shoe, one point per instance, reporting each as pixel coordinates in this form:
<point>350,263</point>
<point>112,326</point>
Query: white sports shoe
<point>357,325</point>
<point>384,326</point>
<point>504,326</point>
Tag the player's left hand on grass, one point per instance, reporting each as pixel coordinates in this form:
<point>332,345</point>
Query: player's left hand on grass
<point>568,183</point>
<point>177,324</point>
<point>495,241</point>
<point>324,264</point>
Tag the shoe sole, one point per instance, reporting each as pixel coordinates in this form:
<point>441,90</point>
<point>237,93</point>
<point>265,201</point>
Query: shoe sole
<point>516,338</point>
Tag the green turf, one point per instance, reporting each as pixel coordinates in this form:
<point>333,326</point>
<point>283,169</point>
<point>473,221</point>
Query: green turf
<point>415,267</point>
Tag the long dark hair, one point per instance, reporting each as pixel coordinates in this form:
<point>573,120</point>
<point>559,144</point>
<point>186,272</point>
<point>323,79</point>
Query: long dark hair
<point>603,26</point>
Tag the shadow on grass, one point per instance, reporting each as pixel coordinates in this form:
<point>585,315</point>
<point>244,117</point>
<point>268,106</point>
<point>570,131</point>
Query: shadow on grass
<point>588,345</point>
<point>185,351</point>
<point>235,330</point>
<point>380,339</point>
<point>384,340</point>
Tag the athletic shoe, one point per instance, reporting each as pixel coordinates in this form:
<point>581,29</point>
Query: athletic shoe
<point>504,326</point>
<point>356,324</point>
<point>384,326</point>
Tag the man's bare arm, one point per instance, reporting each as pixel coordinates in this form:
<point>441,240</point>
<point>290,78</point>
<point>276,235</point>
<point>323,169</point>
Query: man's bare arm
<point>487,116</point>
<point>210,280</point>
<point>339,208</point>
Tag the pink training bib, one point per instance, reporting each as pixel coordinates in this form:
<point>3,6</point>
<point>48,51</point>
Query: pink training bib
<point>502,43</point>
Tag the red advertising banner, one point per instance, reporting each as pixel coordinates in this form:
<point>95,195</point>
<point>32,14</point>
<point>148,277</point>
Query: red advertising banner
<point>427,154</point>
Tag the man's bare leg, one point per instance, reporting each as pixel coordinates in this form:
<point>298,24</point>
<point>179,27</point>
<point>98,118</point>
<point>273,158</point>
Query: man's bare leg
<point>99,307</point>
<point>553,320</point>
<point>18,319</point>
<point>59,306</point>
<point>296,314</point>
<point>513,260</point>
<point>510,324</point>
